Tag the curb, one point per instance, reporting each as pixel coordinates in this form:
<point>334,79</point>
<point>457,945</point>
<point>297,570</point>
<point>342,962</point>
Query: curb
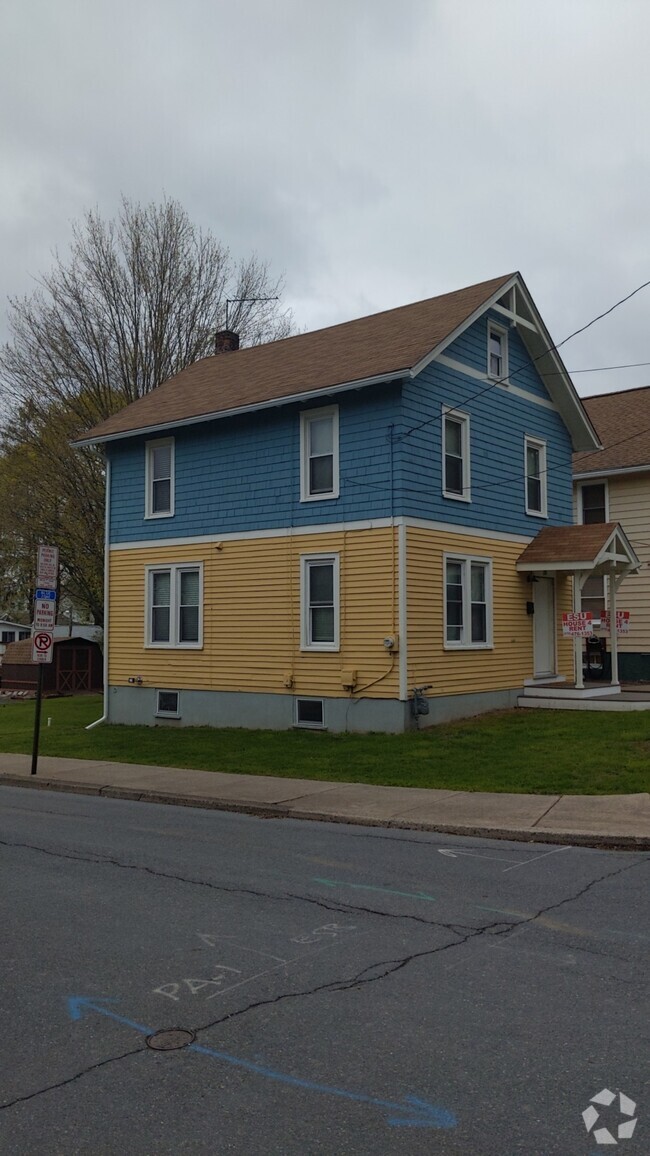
<point>278,811</point>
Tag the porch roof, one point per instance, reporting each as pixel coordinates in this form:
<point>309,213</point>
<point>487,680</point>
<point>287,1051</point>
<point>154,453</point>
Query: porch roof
<point>600,546</point>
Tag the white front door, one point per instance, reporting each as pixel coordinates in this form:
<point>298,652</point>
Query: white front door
<point>544,627</point>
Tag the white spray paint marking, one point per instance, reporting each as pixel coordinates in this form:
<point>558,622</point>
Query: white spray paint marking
<point>212,940</point>
<point>327,930</point>
<point>472,855</point>
<point>525,862</point>
<point>194,986</point>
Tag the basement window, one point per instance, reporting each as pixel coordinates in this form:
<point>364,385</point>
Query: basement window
<point>168,704</point>
<point>309,712</point>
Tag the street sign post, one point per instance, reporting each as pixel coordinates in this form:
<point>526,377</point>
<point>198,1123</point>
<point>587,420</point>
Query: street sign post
<point>47,567</point>
<point>42,645</point>
<point>44,613</point>
<point>47,579</point>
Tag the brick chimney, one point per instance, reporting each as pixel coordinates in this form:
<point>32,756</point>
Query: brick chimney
<point>226,341</point>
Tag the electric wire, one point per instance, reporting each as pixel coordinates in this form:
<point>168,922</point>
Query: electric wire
<point>549,349</point>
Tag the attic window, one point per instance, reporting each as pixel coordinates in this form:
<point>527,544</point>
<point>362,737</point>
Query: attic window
<point>497,351</point>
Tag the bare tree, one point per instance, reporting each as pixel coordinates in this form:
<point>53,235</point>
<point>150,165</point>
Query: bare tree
<point>136,300</point>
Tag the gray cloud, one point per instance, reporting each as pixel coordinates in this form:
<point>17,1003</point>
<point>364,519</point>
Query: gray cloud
<point>375,152</point>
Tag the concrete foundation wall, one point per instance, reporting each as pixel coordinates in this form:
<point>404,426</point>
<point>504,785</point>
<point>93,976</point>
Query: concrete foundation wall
<point>446,708</point>
<point>137,706</point>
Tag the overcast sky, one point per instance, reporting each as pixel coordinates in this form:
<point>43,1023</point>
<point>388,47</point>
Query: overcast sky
<point>376,152</point>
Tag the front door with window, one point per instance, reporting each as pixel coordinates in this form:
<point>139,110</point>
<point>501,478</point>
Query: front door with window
<point>544,627</point>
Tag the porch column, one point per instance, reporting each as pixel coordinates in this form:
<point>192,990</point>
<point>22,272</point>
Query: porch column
<point>611,580</point>
<point>577,642</point>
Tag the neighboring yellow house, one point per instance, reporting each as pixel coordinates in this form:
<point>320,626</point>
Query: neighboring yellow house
<point>613,485</point>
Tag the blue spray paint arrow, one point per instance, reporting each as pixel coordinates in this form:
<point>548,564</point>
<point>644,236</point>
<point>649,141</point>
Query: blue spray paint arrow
<point>410,1113</point>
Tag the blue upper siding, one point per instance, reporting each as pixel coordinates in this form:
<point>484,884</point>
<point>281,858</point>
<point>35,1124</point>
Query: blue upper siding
<point>243,473</point>
<point>499,421</point>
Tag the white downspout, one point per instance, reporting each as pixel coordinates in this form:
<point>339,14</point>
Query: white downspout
<point>613,636</point>
<point>577,642</point>
<point>107,515</point>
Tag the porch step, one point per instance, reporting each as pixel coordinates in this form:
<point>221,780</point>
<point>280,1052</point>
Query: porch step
<point>547,690</point>
<point>619,702</point>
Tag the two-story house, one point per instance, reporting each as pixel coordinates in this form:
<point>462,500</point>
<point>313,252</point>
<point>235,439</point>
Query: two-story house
<point>302,533</point>
<point>613,484</point>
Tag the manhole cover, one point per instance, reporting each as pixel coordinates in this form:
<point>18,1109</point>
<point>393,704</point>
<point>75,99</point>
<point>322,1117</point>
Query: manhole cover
<point>170,1039</point>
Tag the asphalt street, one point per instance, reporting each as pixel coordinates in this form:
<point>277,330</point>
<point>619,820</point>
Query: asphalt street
<point>338,989</point>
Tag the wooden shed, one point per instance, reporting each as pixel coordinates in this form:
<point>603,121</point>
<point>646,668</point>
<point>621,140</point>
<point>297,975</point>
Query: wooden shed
<point>76,667</point>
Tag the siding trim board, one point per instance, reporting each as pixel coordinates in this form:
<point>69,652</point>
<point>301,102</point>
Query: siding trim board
<point>331,528</point>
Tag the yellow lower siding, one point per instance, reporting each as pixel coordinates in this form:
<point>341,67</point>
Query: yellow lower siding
<point>510,660</point>
<point>251,621</point>
<point>251,617</point>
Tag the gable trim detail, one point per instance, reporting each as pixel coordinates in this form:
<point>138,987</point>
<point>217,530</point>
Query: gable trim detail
<point>506,386</point>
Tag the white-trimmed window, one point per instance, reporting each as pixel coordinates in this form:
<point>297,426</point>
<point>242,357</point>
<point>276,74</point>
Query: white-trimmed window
<point>468,602</point>
<point>535,465</point>
<point>168,704</point>
<point>319,600</point>
<point>159,478</point>
<point>593,596</point>
<point>497,351</point>
<point>593,503</point>
<point>455,455</point>
<point>319,454</point>
<point>174,606</point>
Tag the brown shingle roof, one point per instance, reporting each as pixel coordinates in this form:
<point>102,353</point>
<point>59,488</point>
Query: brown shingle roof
<point>379,345</point>
<point>567,544</point>
<point>18,653</point>
<point>616,416</point>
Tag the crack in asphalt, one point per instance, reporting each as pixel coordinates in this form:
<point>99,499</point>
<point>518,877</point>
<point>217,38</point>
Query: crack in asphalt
<point>71,1079</point>
<point>342,908</point>
<point>371,973</point>
<point>391,966</point>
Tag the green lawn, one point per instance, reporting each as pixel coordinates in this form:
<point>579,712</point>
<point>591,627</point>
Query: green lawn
<point>567,752</point>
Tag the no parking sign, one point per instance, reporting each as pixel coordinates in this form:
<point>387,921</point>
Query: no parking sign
<point>42,646</point>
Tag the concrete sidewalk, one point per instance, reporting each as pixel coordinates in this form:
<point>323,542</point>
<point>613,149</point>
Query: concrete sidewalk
<point>589,820</point>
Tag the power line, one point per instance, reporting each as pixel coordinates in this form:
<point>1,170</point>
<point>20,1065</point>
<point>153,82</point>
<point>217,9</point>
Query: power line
<point>549,349</point>
<point>605,368</point>
<point>492,485</point>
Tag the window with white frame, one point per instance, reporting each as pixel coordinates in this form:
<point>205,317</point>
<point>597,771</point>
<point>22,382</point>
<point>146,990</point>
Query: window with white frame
<point>455,455</point>
<point>168,704</point>
<point>535,462</point>
<point>319,454</point>
<point>159,474</point>
<point>468,602</point>
<point>593,503</point>
<point>175,606</point>
<point>497,351</point>
<point>320,601</point>
<point>593,596</point>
